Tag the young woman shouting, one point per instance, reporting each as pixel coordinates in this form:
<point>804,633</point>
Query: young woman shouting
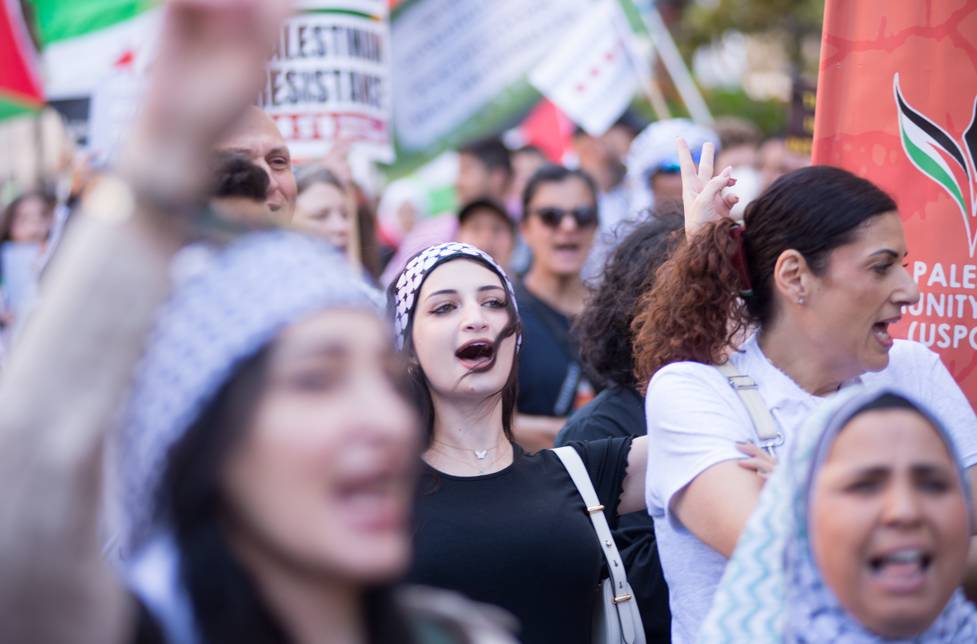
<point>502,526</point>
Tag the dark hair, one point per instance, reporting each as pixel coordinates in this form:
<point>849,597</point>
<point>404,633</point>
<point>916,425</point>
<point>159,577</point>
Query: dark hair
<point>6,222</point>
<point>553,173</point>
<point>604,326</point>
<point>237,176</point>
<point>366,222</point>
<point>417,380</point>
<point>226,601</point>
<point>534,150</point>
<point>631,121</point>
<point>489,204</point>
<point>492,153</point>
<point>694,309</point>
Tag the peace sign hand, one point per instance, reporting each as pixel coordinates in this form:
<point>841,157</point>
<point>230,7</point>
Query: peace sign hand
<point>702,192</point>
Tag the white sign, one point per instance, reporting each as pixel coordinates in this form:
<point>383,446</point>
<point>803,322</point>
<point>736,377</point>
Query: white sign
<point>591,75</point>
<point>455,58</point>
<point>329,79</point>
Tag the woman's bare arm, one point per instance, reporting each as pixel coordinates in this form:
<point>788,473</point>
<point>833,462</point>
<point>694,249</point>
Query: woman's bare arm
<point>59,393</point>
<point>716,505</point>
<point>633,486</point>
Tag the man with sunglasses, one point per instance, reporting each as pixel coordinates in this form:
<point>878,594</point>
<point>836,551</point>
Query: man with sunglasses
<point>560,218</point>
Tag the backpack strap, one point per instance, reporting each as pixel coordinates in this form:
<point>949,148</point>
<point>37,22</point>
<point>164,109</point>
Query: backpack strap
<point>749,393</point>
<point>615,567</point>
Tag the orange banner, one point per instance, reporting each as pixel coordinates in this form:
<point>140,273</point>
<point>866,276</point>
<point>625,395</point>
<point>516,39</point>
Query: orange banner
<point>896,102</point>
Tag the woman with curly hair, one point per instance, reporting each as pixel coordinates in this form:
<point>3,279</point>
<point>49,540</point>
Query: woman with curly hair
<point>604,329</point>
<point>810,284</point>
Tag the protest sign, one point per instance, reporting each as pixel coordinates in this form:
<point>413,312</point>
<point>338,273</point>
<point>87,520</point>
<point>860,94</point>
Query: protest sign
<point>896,102</point>
<point>461,67</point>
<point>590,74</point>
<point>329,79</point>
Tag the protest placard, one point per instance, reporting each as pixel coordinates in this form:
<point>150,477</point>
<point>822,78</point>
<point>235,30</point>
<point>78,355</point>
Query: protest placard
<point>462,67</point>
<point>329,79</point>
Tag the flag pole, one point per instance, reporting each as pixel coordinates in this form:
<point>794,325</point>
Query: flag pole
<point>653,92</point>
<point>675,66</point>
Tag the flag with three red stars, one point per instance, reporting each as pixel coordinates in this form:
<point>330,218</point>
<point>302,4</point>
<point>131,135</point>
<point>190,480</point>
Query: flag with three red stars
<point>592,75</point>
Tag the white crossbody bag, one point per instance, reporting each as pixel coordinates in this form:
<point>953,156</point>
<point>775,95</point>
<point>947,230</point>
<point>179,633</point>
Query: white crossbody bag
<point>617,620</point>
<point>769,434</point>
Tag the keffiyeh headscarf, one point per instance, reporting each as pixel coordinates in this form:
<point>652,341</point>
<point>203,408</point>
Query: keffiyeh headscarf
<point>405,289</point>
<point>772,590</point>
<point>227,304</point>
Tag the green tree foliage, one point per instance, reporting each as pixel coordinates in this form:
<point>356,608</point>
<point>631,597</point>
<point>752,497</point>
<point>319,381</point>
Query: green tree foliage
<point>793,20</point>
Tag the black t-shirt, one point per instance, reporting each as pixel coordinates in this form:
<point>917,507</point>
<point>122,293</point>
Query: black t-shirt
<point>550,375</point>
<point>520,538</point>
<point>147,630</point>
<point>619,411</point>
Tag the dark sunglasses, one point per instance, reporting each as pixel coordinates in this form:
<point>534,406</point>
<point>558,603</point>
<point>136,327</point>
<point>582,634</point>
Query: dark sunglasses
<point>585,216</point>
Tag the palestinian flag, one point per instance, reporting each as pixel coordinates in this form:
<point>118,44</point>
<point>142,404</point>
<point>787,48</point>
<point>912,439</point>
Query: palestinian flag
<point>897,104</point>
<point>83,40</point>
<point>20,84</point>
<point>933,151</point>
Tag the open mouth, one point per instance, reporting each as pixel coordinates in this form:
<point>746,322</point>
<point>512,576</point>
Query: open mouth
<point>476,353</point>
<point>908,557</point>
<point>372,502</point>
<point>901,571</point>
<point>568,247</point>
<point>881,332</point>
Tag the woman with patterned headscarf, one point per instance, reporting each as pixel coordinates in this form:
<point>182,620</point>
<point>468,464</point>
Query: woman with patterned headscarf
<point>497,524</point>
<point>860,537</point>
<point>266,457</point>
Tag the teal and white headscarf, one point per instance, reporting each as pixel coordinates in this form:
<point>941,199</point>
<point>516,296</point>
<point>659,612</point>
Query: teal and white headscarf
<point>772,590</point>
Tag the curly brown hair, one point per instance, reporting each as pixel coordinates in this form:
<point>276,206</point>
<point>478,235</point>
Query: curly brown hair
<point>693,311</point>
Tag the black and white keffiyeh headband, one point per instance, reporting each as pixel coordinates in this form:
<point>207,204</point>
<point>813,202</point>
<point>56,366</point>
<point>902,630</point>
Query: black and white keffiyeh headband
<point>410,280</point>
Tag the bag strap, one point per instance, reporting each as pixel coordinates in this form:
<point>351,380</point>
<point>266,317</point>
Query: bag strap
<point>615,567</point>
<point>763,421</point>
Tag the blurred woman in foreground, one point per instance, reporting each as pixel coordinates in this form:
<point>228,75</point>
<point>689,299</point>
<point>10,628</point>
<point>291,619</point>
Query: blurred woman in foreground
<point>267,450</point>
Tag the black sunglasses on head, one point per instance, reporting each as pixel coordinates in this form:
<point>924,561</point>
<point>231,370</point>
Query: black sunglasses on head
<point>584,216</point>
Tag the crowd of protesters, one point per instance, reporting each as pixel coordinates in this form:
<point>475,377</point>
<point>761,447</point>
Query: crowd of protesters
<point>245,400</point>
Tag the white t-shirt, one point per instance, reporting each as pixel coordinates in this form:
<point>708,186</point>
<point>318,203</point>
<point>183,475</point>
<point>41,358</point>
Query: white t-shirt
<point>695,419</point>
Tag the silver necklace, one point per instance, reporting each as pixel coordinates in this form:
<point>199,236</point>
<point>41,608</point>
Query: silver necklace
<point>481,465</point>
<point>480,454</point>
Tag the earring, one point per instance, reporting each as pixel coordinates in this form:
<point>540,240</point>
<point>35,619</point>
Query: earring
<point>800,300</point>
